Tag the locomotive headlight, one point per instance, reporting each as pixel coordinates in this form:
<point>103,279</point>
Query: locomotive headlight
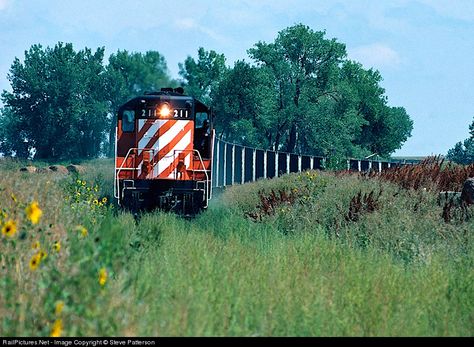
<point>164,111</point>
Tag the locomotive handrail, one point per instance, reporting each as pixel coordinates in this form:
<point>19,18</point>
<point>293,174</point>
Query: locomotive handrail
<point>121,168</point>
<point>202,164</point>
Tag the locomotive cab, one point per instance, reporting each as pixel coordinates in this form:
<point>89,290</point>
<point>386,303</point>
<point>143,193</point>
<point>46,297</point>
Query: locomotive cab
<point>164,146</point>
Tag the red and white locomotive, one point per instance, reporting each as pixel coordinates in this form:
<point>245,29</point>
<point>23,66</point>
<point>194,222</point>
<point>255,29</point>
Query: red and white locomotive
<point>163,153</point>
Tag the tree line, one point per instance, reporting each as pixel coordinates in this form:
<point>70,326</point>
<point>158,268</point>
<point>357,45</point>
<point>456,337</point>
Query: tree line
<point>299,93</point>
<point>463,152</point>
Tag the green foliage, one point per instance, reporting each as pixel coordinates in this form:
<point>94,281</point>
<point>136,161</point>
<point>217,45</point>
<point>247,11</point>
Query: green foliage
<point>463,152</point>
<point>303,64</point>
<point>377,127</point>
<point>131,74</point>
<point>406,224</point>
<point>305,96</point>
<point>245,107</point>
<point>58,106</point>
<point>64,102</point>
<point>305,270</point>
<point>201,77</point>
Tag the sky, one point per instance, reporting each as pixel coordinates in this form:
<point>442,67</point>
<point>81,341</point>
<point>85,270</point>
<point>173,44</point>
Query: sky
<point>424,49</point>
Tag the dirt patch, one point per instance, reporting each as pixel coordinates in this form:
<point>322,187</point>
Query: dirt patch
<point>29,169</point>
<point>59,169</point>
<point>76,169</point>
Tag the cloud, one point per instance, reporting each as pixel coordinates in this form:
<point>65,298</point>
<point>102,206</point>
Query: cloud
<point>191,24</point>
<point>377,55</point>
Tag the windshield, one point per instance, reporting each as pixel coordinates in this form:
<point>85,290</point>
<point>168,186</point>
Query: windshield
<point>128,121</point>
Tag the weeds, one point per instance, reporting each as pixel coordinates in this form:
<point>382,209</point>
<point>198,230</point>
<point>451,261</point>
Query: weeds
<point>432,173</point>
<point>456,212</point>
<point>269,203</point>
<point>361,204</point>
<point>68,265</point>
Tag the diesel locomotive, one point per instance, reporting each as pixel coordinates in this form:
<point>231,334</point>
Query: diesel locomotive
<point>163,153</point>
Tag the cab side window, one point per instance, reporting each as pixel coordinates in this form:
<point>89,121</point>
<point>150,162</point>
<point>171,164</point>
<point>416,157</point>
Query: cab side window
<point>201,117</point>
<point>128,121</point>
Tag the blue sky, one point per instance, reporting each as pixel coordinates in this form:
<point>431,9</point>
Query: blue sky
<point>424,49</point>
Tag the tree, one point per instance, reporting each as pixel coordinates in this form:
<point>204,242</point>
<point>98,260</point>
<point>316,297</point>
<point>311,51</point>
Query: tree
<point>382,128</point>
<point>132,74</point>
<point>304,96</point>
<point>244,102</point>
<point>463,152</point>
<point>14,140</point>
<point>303,63</point>
<point>201,77</point>
<point>57,107</point>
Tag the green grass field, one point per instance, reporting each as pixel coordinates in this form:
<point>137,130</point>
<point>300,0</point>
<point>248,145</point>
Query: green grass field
<point>308,261</point>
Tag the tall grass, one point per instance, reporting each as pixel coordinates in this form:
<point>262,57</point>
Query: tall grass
<point>252,281</point>
<point>303,269</point>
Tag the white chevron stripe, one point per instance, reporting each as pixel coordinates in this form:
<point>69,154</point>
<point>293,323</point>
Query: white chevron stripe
<point>170,156</point>
<point>163,140</point>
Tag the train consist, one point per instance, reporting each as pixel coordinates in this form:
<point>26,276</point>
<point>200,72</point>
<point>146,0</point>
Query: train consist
<point>167,156</point>
<point>163,153</point>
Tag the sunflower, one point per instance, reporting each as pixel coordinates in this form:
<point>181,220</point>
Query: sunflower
<point>42,254</point>
<point>35,262</point>
<point>104,200</point>
<point>102,276</point>
<point>33,212</point>
<point>57,328</point>
<point>57,246</point>
<point>9,228</point>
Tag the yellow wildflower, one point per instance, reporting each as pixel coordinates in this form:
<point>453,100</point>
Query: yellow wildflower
<point>57,328</point>
<point>36,245</point>
<point>96,202</point>
<point>83,183</point>
<point>57,246</point>
<point>104,200</point>
<point>102,276</point>
<point>59,307</point>
<point>13,198</point>
<point>3,215</point>
<point>82,230</point>
<point>9,228</point>
<point>33,212</point>
<point>35,262</point>
<point>42,254</point>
